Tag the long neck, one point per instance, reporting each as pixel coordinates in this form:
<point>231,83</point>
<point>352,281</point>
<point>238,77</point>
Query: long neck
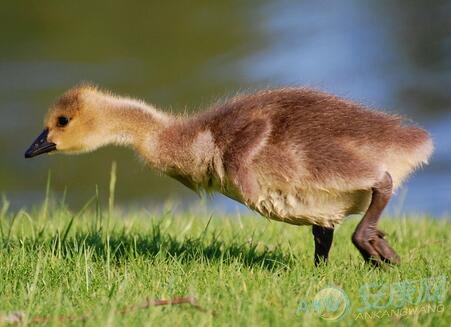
<point>134,123</point>
<point>167,143</point>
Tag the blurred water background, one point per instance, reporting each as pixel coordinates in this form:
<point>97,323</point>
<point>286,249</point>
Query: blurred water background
<point>182,55</point>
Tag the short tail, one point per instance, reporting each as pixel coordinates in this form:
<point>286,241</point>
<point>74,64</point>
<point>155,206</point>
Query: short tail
<point>422,145</point>
<point>415,147</point>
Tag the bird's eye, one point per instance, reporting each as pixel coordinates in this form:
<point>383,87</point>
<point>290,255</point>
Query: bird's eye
<point>62,121</point>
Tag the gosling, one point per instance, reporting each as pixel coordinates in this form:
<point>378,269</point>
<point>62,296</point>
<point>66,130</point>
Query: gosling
<point>294,155</point>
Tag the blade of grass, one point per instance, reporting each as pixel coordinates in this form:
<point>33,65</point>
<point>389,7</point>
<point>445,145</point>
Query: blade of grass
<point>47,195</point>
<point>5,205</point>
<point>110,213</point>
<point>206,226</point>
<point>98,220</point>
<point>63,198</point>
<point>112,189</point>
<point>3,212</point>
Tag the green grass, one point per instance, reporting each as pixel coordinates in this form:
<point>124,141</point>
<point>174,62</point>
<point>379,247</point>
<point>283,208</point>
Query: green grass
<point>242,270</point>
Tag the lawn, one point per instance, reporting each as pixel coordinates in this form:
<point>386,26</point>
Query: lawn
<point>58,265</point>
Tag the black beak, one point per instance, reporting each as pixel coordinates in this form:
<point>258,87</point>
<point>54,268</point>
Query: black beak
<point>40,145</point>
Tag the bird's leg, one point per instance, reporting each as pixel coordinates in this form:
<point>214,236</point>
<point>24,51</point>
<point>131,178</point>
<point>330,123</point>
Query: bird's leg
<point>367,238</point>
<point>323,237</point>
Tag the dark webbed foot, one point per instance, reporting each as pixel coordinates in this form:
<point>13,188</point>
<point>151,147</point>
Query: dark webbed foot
<point>386,253</point>
<point>367,238</point>
<point>375,249</point>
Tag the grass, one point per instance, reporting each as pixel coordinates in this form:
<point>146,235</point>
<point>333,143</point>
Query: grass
<point>242,270</point>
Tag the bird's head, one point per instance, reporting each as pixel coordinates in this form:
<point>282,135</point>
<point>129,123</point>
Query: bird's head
<point>76,123</point>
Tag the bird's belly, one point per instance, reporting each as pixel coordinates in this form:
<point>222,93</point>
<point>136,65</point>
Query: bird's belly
<point>311,208</point>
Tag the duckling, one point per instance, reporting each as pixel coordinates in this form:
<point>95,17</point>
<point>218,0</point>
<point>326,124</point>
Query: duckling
<point>295,155</point>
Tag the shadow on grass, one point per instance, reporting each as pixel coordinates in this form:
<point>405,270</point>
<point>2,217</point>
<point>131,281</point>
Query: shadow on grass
<point>124,245</point>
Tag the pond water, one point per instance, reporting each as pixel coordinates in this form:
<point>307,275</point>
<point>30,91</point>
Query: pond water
<point>392,55</point>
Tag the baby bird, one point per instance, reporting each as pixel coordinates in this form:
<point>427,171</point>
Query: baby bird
<point>294,155</point>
